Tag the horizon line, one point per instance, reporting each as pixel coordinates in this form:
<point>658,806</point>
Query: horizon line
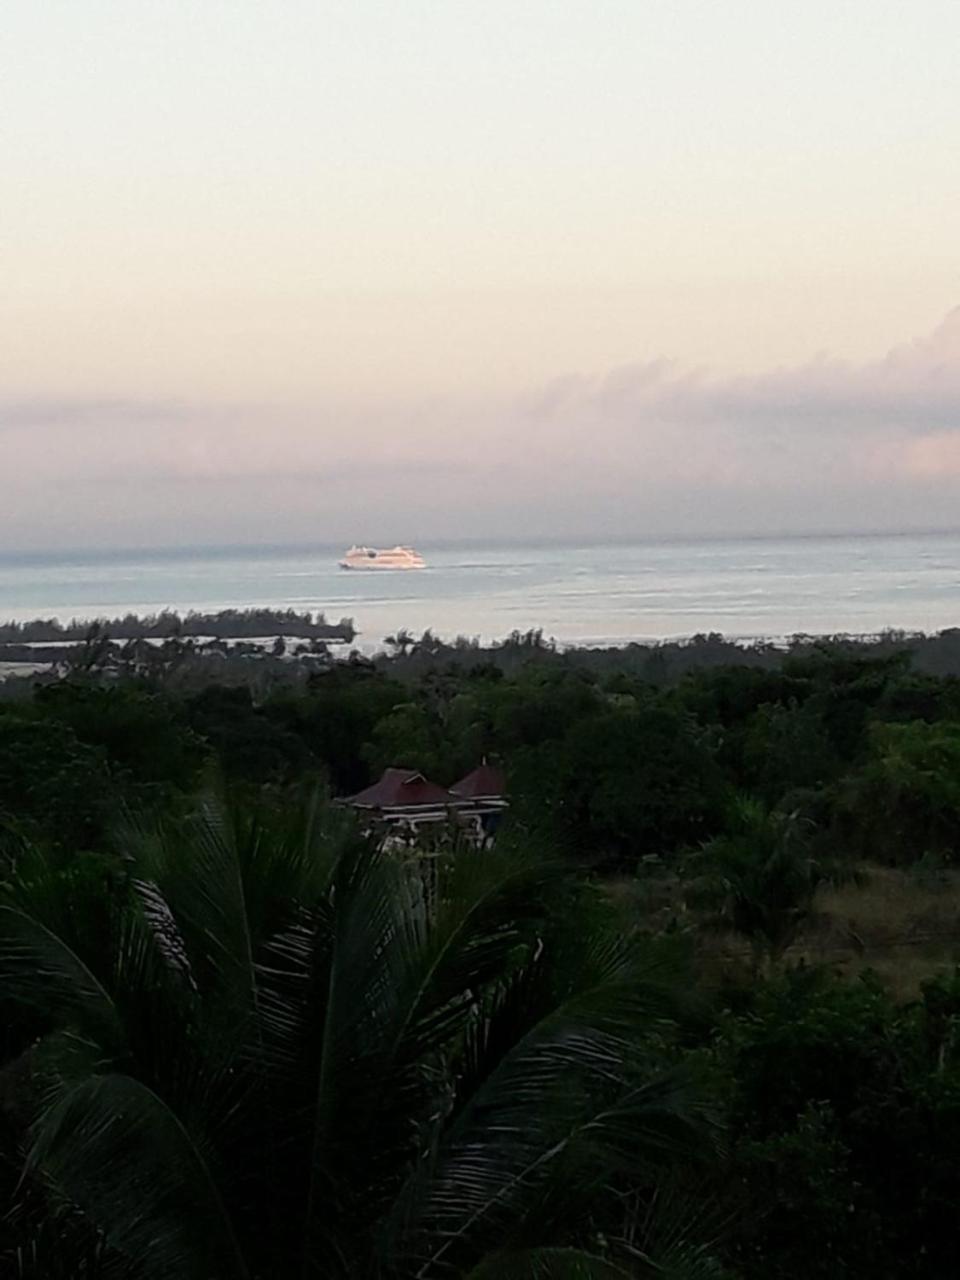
<point>186,551</point>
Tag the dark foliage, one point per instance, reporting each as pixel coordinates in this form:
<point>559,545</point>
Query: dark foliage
<point>226,623</point>
<point>238,1042</point>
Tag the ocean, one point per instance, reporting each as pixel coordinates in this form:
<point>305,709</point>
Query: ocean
<point>597,594</point>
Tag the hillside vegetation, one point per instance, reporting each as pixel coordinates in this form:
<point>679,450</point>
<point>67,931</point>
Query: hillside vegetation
<point>696,1013</point>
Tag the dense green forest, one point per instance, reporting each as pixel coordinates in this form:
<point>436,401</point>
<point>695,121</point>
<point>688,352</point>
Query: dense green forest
<point>695,1014</point>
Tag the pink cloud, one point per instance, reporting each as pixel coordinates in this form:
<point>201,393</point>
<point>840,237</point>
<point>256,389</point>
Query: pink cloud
<point>650,447</point>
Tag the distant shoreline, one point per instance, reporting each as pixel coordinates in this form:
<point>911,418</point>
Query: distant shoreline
<point>222,624</point>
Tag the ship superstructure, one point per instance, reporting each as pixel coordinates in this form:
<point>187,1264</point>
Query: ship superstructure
<point>392,558</point>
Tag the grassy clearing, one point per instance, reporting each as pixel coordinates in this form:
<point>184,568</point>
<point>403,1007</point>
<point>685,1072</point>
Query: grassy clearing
<point>902,925</point>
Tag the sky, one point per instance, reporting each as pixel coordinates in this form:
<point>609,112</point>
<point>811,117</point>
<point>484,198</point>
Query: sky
<point>343,270</point>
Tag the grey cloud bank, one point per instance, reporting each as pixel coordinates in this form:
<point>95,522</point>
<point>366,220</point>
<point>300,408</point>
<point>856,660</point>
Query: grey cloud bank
<point>909,387</point>
<point>651,449</point>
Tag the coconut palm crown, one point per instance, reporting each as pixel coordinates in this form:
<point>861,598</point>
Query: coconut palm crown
<point>273,1050</point>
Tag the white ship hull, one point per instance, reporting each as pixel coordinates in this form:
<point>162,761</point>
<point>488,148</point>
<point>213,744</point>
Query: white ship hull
<point>394,558</point>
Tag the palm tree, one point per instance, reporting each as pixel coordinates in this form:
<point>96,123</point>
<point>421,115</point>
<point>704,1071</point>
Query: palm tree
<point>401,643</point>
<point>760,877</point>
<point>272,1054</point>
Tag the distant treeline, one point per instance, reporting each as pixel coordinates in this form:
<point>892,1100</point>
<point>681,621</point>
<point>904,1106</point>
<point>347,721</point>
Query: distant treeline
<point>662,662</point>
<point>225,624</point>
<point>191,651</point>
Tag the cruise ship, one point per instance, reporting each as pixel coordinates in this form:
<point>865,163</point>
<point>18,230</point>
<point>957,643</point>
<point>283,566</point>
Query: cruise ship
<point>394,558</point>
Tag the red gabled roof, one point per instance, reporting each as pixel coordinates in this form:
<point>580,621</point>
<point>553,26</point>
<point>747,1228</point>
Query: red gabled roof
<point>398,788</point>
<point>485,783</point>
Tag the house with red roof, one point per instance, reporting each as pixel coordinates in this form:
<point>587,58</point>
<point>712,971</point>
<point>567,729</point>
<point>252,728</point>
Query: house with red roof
<point>402,789</point>
<point>409,803</point>
<point>487,782</point>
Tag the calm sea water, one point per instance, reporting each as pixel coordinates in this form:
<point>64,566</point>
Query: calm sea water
<point>578,594</point>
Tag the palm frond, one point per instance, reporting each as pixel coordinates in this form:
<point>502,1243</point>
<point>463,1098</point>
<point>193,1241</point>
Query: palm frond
<point>289,1050</point>
<point>196,868</point>
<point>547,1264</point>
<point>570,1097</point>
<point>405,975</point>
<point>129,1164</point>
<point>60,1245</point>
<point>486,919</point>
<point>40,970</point>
